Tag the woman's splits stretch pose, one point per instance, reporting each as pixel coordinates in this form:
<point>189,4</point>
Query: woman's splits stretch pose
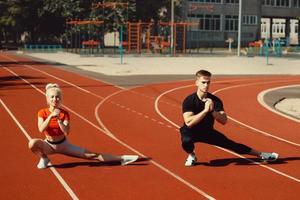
<point>54,122</point>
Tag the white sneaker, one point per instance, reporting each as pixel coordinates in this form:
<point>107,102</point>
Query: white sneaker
<point>127,159</point>
<point>43,163</point>
<point>191,160</point>
<point>269,156</point>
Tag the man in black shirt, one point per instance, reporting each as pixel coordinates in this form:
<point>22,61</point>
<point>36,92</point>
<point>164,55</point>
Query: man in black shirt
<point>200,110</point>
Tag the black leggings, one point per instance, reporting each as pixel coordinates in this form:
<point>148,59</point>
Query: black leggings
<point>212,137</point>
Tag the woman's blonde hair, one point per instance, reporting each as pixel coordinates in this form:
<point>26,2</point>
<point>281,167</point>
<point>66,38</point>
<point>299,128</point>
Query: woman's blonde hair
<point>51,85</point>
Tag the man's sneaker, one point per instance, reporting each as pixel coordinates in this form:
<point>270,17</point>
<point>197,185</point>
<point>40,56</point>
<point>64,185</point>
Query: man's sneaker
<point>191,160</point>
<point>127,159</point>
<point>43,163</point>
<point>269,156</point>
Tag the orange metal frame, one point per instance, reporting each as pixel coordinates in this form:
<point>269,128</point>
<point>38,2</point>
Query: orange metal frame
<point>175,25</point>
<point>134,30</point>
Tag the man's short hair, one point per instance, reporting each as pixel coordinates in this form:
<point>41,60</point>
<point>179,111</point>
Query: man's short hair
<point>203,72</point>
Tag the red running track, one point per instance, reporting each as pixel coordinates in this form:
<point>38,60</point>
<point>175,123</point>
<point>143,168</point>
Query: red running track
<point>142,120</point>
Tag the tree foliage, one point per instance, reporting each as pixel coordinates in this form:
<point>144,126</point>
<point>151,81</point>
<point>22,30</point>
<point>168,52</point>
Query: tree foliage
<point>46,19</point>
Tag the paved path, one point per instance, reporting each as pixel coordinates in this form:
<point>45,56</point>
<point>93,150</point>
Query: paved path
<point>136,65</point>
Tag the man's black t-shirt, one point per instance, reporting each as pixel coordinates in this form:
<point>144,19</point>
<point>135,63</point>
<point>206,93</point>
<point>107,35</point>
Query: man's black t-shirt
<point>192,103</point>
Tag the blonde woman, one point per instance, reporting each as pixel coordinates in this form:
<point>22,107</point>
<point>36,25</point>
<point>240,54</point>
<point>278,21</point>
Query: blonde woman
<point>54,122</point>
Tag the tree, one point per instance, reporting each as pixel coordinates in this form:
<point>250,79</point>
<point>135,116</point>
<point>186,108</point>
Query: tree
<point>46,19</point>
<point>40,18</point>
<point>156,10</point>
<point>53,15</point>
<point>11,19</point>
<point>114,13</point>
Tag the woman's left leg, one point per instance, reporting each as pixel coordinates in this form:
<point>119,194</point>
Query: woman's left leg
<point>76,151</point>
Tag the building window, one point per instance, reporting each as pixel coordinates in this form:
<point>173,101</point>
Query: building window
<point>296,3</point>
<point>277,3</point>
<point>206,1</point>
<point>232,1</point>
<point>207,22</point>
<point>263,27</point>
<point>231,23</point>
<point>250,19</point>
<point>278,29</point>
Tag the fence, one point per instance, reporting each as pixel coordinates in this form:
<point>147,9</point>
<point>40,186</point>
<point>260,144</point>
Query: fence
<point>42,47</point>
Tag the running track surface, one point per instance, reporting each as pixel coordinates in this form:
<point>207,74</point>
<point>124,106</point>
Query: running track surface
<point>142,120</point>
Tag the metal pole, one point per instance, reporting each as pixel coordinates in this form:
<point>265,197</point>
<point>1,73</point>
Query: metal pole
<point>172,25</point>
<point>121,44</point>
<point>240,29</point>
<point>267,51</point>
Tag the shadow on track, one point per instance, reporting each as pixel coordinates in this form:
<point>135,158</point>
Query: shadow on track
<point>98,164</point>
<point>241,161</point>
<point>16,64</point>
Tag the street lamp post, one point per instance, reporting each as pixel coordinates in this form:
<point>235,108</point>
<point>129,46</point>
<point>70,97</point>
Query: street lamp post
<point>172,26</point>
<point>240,29</point>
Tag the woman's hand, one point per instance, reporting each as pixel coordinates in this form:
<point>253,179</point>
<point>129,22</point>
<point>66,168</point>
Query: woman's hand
<point>55,112</point>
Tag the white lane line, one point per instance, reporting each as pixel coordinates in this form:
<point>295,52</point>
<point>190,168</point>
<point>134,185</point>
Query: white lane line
<point>108,133</point>
<point>176,104</point>
<point>67,82</point>
<point>260,99</point>
<point>177,126</point>
<point>40,91</point>
<point>250,127</point>
<point>233,119</point>
<point>265,133</point>
<point>171,123</point>
<point>54,171</point>
<point>55,77</point>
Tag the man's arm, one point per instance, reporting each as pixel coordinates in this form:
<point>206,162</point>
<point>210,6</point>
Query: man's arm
<point>191,119</point>
<point>220,116</point>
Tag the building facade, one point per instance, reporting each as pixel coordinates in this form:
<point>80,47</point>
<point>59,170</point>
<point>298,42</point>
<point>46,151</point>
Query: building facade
<point>213,22</point>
